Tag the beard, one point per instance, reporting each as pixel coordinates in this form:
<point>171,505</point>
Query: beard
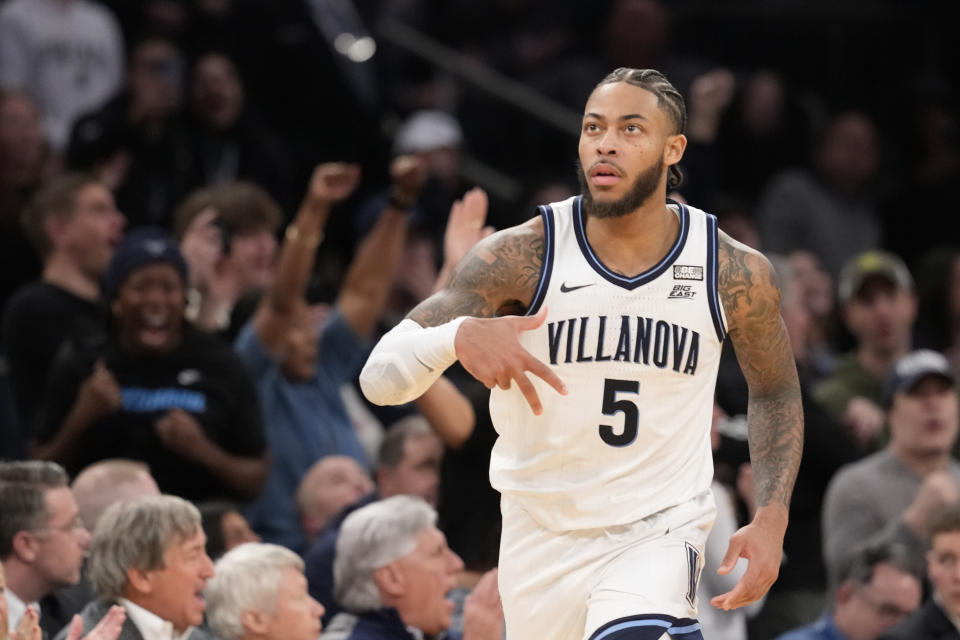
<point>643,187</point>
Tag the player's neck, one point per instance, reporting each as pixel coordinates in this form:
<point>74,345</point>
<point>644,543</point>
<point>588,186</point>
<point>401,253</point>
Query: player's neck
<point>635,242</point>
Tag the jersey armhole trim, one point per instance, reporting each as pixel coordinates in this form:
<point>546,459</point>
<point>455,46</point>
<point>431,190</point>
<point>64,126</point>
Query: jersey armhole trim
<point>546,212</point>
<point>713,297</point>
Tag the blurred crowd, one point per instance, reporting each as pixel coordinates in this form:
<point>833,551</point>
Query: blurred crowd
<point>211,209</point>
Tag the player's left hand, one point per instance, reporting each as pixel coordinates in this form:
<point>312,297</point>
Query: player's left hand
<point>761,543</point>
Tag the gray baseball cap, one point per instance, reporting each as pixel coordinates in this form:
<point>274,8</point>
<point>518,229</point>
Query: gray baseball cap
<point>914,367</point>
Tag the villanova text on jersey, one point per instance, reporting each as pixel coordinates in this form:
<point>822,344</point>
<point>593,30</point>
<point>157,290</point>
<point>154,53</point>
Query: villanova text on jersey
<point>634,339</point>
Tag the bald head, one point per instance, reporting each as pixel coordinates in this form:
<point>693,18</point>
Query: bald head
<point>332,484</point>
<point>109,481</point>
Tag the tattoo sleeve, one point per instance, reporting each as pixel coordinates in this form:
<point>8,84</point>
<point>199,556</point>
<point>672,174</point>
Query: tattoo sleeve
<point>497,277</point>
<point>751,300</point>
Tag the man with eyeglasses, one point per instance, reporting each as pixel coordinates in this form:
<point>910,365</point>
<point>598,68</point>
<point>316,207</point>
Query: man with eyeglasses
<point>880,587</point>
<point>42,539</point>
<point>939,617</point>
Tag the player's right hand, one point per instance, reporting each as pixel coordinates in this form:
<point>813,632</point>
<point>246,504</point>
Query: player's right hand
<point>489,349</point>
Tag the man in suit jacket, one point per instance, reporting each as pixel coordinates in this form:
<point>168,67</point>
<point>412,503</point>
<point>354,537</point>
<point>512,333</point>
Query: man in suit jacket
<point>42,539</point>
<point>939,617</point>
<point>148,555</point>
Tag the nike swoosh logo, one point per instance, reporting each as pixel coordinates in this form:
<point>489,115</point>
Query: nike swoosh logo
<point>565,289</point>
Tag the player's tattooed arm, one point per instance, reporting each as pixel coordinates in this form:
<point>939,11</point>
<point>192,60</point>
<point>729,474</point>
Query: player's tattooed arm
<point>497,277</point>
<point>751,299</point>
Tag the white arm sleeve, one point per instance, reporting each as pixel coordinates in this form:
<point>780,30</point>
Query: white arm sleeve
<point>407,361</point>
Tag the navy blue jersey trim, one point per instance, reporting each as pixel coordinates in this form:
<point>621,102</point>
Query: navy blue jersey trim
<point>580,229</point>
<point>713,296</point>
<point>546,212</point>
<point>629,626</point>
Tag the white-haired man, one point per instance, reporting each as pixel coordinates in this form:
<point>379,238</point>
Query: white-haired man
<point>148,555</point>
<point>392,571</point>
<point>259,592</point>
<point>409,464</point>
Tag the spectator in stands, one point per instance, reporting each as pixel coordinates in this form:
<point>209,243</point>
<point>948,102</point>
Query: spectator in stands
<point>24,164</point>
<point>392,570</point>
<point>828,211</point>
<point>892,494</point>
<point>67,55</point>
<point>879,308</point>
<point>108,481</point>
<point>225,527</point>
<point>96,488</point>
<point>764,131</point>
<point>881,586</point>
<point>29,626</point>
<point>229,144</point>
<point>937,617</point>
<point>300,359</point>
<point>259,592</point>
<point>138,141</point>
<point>408,464</point>
<point>938,293</point>
<point>927,168</point>
<point>160,391</point>
<point>42,539</point>
<point>148,557</point>
<point>331,485</point>
<point>817,298</point>
<point>75,226</point>
<point>228,236</point>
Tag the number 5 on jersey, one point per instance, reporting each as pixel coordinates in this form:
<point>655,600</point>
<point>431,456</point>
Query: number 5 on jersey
<point>613,405</point>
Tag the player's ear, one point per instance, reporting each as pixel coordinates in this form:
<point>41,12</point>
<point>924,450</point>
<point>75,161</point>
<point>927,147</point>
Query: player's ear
<point>674,148</point>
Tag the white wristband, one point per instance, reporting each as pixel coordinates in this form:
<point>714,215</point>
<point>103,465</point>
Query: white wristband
<point>408,360</point>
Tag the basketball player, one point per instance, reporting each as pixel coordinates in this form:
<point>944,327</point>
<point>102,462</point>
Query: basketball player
<point>617,301</point>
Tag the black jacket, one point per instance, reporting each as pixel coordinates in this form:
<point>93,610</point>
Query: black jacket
<point>929,622</point>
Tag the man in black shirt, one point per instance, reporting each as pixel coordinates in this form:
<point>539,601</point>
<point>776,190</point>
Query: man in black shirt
<point>160,391</point>
<point>74,225</point>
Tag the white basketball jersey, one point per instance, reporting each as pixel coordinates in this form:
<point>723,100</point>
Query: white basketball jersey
<point>639,357</point>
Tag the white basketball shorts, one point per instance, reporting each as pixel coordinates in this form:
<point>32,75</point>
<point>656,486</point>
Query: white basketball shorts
<point>627,581</point>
